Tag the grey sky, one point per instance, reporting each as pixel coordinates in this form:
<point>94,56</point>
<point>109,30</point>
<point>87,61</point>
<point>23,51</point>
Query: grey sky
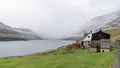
<point>54,18</point>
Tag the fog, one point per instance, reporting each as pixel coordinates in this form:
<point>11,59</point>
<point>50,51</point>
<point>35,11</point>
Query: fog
<point>53,18</point>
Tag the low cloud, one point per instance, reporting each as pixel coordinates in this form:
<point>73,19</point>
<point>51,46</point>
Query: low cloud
<point>54,18</point>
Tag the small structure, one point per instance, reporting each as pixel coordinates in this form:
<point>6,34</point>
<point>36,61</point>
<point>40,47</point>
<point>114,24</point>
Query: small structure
<point>95,45</point>
<point>105,45</point>
<point>76,46</point>
<point>98,42</point>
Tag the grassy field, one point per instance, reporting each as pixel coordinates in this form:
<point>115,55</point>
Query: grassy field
<point>60,58</point>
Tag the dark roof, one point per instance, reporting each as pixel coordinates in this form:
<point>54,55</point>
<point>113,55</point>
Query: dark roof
<point>105,46</point>
<point>100,35</point>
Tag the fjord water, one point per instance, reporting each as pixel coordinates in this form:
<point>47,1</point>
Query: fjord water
<point>20,48</point>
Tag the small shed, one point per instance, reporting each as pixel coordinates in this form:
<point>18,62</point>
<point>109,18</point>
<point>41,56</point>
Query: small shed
<point>105,45</point>
<point>95,44</point>
<point>76,45</point>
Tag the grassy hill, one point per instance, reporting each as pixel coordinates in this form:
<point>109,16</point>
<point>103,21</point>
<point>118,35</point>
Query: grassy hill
<point>113,31</point>
<point>60,58</point>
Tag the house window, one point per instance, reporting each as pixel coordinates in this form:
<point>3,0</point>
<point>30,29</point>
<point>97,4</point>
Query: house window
<point>88,36</point>
<point>102,50</point>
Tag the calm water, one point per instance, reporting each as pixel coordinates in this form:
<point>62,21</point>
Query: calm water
<point>20,48</point>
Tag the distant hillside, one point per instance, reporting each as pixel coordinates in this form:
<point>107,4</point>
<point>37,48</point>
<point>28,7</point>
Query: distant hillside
<point>8,33</point>
<point>102,22</point>
<point>113,31</point>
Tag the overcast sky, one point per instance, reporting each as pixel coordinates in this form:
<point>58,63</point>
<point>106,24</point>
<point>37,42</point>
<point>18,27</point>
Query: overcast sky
<point>54,18</point>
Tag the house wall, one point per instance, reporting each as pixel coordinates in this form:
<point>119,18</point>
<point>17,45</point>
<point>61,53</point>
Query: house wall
<point>105,46</point>
<point>95,43</point>
<point>104,50</point>
<point>88,37</point>
<point>103,43</point>
<point>86,44</point>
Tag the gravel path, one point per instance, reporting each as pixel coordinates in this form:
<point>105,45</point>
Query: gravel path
<point>116,63</point>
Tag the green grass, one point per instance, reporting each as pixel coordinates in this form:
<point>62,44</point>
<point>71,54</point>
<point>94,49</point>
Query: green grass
<point>60,58</point>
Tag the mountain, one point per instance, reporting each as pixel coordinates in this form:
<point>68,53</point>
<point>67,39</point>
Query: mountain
<point>104,22</point>
<point>8,33</point>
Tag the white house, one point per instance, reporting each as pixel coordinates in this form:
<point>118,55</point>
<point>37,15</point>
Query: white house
<point>89,37</point>
<point>87,40</point>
